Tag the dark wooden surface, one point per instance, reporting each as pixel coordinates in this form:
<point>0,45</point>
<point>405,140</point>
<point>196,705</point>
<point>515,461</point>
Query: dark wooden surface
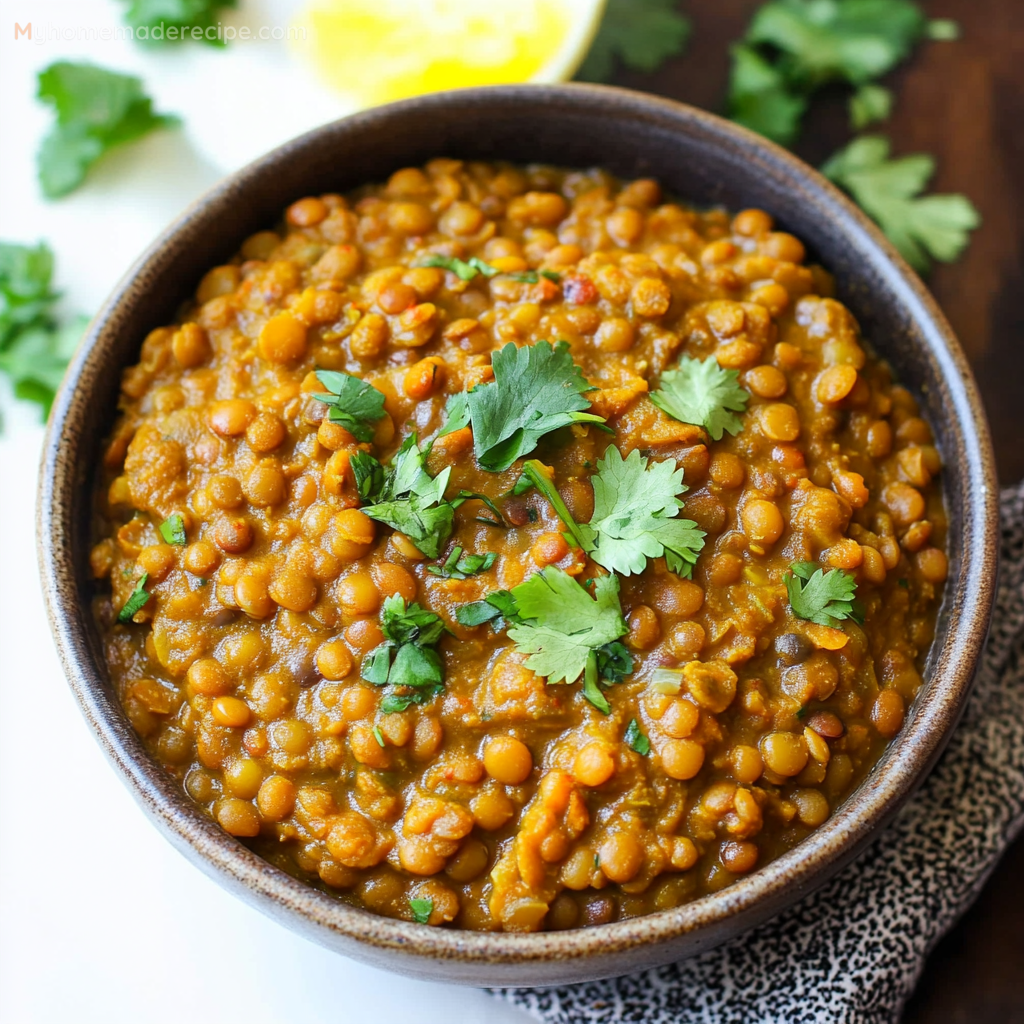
<point>962,101</point>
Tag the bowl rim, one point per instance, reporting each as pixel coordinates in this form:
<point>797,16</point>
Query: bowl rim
<point>805,867</point>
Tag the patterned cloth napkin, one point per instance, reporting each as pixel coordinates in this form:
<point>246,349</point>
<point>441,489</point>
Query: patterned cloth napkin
<point>852,952</point>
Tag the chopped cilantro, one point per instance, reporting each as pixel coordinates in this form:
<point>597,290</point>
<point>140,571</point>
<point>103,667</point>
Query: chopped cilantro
<point>183,15</point>
<point>563,627</point>
<point>351,402</point>
<point>701,392</point>
<point>407,498</point>
<point>96,110</point>
<point>642,34</point>
<point>526,277</point>
<point>822,597</point>
<point>495,609</point>
<point>922,228</point>
<point>378,735</point>
<point>538,475</point>
<point>34,348</point>
<point>465,270</point>
<point>369,474</point>
<point>459,567</point>
<point>172,529</point>
<point>407,660</point>
<point>636,509</point>
<point>138,597</point>
<point>636,740</point>
<point>421,910</point>
<point>536,389</point>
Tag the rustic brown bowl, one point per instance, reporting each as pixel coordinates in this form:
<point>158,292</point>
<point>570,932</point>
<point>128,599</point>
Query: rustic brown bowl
<point>698,157</point>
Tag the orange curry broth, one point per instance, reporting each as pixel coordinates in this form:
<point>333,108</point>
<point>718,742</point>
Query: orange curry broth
<point>506,802</point>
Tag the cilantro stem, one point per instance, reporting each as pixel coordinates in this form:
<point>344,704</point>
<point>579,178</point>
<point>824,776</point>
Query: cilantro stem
<point>534,471</point>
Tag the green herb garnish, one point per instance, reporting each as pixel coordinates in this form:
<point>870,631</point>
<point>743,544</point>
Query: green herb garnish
<point>172,529</point>
<point>34,348</point>
<point>536,389</point>
<point>870,103</point>
<point>822,597</point>
<point>378,735</point>
<point>563,628</point>
<point>96,110</point>
<point>636,506</point>
<point>642,34</point>
<point>795,47</point>
<point>459,567</point>
<point>150,20</point>
<point>495,609</point>
<point>351,402</point>
<point>465,270</point>
<point>923,228</point>
<point>407,498</point>
<point>138,597</point>
<point>407,659</point>
<point>702,393</point>
<point>421,910</point>
<point>636,740</point>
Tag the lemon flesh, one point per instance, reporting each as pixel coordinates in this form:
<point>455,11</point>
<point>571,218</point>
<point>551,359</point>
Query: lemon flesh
<point>376,51</point>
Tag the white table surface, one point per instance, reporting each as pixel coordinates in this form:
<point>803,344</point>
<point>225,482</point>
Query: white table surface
<point>100,920</point>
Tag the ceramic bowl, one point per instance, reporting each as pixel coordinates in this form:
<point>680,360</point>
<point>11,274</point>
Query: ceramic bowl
<point>703,160</point>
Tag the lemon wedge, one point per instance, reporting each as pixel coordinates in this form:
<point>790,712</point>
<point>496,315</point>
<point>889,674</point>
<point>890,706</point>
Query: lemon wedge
<point>376,51</point>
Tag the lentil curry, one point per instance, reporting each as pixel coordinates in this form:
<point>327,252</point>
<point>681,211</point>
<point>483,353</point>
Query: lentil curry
<point>517,549</point>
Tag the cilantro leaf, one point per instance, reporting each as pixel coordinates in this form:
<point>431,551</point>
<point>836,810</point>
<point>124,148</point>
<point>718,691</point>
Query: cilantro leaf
<point>369,474</point>
<point>495,609</point>
<point>172,529</point>
<point>34,348</point>
<point>185,15</point>
<point>870,103</point>
<point>421,910</point>
<point>536,389</point>
<point>352,402</point>
<point>922,228</point>
<point>459,567</point>
<point>793,48</point>
<point>563,626</point>
<point>407,659</point>
<point>136,599</point>
<point>465,270</point>
<point>635,739</point>
<point>96,110</point>
<point>822,597</point>
<point>409,499</point>
<point>635,510</point>
<point>642,34</point>
<point>761,99</point>
<point>702,393</point>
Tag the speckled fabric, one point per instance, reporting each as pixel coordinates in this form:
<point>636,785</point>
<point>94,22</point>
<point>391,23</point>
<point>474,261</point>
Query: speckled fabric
<point>852,952</point>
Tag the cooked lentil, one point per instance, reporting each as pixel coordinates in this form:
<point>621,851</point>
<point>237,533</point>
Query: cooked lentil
<point>508,803</point>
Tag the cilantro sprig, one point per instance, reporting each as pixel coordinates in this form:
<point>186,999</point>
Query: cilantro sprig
<point>636,506</point>
<point>406,497</point>
<point>568,634</point>
<point>822,597</point>
<point>352,402</point>
<point>406,662</point>
<point>96,110</point>
<point>793,48</point>
<point>642,34</point>
<point>922,228</point>
<point>494,609</point>
<point>536,389</point>
<point>702,393</point>
<point>34,346</point>
<point>147,16</point>
<point>136,600</point>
